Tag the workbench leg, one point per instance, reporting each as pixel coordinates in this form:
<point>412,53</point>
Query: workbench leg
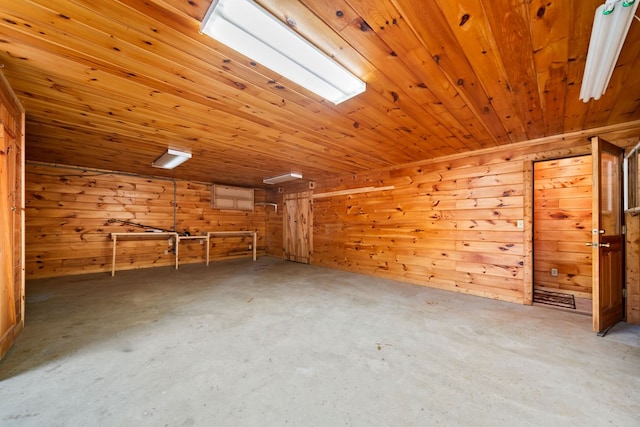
<point>177,246</point>
<point>113,261</point>
<point>207,250</point>
<point>255,243</point>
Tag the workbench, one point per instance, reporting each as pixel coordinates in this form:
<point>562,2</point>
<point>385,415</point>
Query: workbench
<point>178,238</point>
<point>204,237</point>
<point>141,235</point>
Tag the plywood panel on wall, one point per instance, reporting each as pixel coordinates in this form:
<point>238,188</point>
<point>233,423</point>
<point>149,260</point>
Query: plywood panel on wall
<point>562,225</point>
<point>71,213</point>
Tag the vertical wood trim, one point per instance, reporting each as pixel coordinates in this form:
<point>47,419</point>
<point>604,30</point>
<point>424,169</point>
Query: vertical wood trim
<point>633,268</point>
<point>310,225</point>
<point>527,180</point>
<point>7,275</point>
<point>595,226</point>
<point>20,142</point>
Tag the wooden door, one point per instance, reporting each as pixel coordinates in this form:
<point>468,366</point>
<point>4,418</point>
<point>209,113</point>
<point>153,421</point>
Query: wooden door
<point>11,217</point>
<point>607,241</point>
<point>298,222</point>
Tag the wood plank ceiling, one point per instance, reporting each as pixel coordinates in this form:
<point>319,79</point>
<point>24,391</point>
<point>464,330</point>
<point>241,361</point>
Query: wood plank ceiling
<point>111,84</point>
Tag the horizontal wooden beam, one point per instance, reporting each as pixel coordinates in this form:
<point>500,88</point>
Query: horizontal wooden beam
<point>352,191</point>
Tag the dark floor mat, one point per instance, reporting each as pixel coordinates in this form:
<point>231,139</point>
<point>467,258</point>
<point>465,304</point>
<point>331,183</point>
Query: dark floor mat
<point>557,299</point>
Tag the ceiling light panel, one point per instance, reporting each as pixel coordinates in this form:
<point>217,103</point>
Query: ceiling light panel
<point>171,159</point>
<point>610,27</point>
<point>249,29</point>
<point>282,178</point>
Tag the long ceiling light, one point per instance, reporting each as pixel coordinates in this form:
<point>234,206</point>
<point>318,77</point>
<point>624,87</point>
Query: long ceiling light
<point>610,27</point>
<point>282,178</point>
<point>249,29</point>
<point>171,159</point>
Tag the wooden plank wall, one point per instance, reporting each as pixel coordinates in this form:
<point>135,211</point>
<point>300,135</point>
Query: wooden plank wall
<point>274,243</point>
<point>450,224</point>
<point>68,213</point>
<point>298,227</point>
<point>196,215</point>
<point>633,267</point>
<point>562,225</point>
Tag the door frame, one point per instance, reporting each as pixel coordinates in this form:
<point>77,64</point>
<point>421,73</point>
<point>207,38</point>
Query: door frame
<point>13,136</point>
<point>531,187</point>
<point>528,180</point>
<point>528,206</point>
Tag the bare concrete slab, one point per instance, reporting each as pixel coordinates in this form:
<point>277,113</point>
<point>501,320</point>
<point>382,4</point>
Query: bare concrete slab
<point>274,343</point>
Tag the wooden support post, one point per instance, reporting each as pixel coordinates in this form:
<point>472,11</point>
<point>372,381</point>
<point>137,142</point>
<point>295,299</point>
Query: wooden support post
<point>255,243</point>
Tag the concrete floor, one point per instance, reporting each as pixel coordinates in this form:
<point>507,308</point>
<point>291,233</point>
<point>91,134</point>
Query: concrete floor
<point>273,343</point>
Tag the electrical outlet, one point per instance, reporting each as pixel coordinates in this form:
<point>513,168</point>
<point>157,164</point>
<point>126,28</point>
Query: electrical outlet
<point>554,272</point>
<point>250,247</point>
<point>520,223</point>
<point>166,251</point>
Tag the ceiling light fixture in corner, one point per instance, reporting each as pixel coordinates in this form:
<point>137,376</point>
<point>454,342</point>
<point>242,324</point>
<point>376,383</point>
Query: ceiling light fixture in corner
<point>171,159</point>
<point>610,27</point>
<point>247,28</point>
<point>283,178</point>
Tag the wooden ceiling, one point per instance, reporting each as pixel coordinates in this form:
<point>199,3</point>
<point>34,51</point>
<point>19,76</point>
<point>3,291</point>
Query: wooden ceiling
<point>110,84</point>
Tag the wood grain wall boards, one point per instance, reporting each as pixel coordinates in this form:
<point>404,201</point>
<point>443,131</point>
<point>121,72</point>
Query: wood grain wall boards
<point>421,243</point>
<point>415,233</point>
<point>135,76</point>
<point>633,268</point>
<point>562,225</point>
<point>402,234</point>
<point>68,229</point>
<point>111,84</point>
<point>289,120</point>
<point>274,233</point>
<point>298,227</point>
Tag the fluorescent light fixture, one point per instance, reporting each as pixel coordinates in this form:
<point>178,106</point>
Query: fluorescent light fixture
<point>610,27</point>
<point>171,159</point>
<point>282,178</point>
<point>247,28</point>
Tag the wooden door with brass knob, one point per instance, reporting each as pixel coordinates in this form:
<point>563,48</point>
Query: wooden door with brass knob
<point>607,235</point>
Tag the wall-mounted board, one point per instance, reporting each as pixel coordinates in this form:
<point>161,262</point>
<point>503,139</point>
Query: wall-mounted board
<point>232,198</point>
